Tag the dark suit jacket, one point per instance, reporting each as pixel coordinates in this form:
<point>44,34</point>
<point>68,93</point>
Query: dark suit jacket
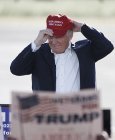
<point>41,64</point>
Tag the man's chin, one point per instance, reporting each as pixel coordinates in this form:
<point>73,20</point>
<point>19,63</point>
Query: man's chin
<point>58,52</point>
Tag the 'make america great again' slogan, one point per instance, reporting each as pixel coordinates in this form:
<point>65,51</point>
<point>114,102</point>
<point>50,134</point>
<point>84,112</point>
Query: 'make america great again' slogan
<point>51,116</point>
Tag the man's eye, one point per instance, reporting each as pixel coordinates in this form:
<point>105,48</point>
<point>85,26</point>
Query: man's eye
<point>50,37</point>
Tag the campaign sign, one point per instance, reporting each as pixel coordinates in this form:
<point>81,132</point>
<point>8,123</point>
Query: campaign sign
<point>6,117</point>
<point>50,116</point>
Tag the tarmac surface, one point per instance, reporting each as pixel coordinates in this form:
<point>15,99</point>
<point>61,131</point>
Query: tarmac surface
<point>15,34</point>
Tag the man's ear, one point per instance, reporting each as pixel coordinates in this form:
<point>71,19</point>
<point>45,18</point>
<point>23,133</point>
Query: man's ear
<point>70,34</point>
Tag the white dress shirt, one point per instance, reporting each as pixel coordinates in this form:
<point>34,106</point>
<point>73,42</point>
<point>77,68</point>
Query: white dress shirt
<point>67,70</point>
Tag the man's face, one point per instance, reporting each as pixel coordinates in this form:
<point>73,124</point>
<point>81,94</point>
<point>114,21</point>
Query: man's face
<point>59,44</point>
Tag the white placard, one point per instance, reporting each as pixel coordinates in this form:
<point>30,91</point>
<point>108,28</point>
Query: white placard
<point>50,116</point>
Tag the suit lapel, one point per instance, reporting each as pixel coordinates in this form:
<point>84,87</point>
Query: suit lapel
<point>49,58</point>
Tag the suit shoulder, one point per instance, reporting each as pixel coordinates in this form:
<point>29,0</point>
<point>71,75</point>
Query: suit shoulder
<point>82,43</point>
<point>45,47</point>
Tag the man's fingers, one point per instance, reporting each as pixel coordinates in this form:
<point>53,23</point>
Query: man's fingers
<point>43,36</point>
<point>47,32</point>
<point>77,26</point>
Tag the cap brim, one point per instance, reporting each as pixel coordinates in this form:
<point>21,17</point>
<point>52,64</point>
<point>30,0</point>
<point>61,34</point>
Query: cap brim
<point>59,33</point>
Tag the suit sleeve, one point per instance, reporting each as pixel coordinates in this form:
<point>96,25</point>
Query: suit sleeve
<point>23,63</point>
<point>100,45</point>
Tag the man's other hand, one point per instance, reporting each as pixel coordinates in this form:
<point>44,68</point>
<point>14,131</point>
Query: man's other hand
<point>43,36</point>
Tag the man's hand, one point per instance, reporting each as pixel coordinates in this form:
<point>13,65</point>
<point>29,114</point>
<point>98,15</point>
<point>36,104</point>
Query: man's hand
<point>77,26</point>
<point>43,36</point>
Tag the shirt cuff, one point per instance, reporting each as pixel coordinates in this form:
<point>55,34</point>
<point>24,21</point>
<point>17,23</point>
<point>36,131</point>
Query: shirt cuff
<point>33,47</point>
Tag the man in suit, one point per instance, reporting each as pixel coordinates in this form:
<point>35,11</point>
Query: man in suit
<point>60,65</point>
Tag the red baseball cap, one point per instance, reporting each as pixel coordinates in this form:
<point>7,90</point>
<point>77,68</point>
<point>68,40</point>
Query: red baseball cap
<point>59,24</point>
